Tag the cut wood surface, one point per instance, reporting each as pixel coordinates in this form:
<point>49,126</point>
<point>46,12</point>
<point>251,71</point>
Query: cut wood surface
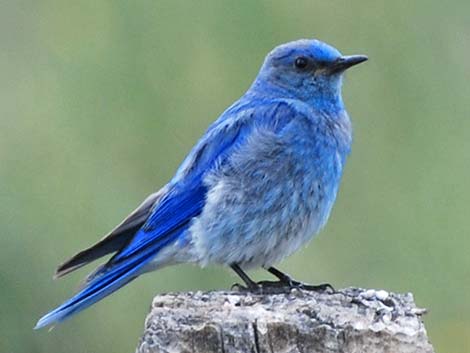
<point>349,321</point>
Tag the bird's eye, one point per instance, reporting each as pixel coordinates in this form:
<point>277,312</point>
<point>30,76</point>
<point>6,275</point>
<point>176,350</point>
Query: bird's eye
<point>301,63</point>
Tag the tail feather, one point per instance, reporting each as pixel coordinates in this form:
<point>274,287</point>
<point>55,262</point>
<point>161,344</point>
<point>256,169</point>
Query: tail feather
<point>115,240</point>
<point>103,282</point>
<point>164,225</point>
<point>94,252</point>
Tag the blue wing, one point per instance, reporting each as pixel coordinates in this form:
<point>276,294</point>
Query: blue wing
<point>173,212</point>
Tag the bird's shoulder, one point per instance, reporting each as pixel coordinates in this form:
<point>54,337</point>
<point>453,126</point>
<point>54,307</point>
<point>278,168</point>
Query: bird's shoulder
<point>271,112</point>
<point>240,121</point>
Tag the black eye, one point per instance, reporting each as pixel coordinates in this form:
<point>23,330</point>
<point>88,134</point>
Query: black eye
<point>301,63</point>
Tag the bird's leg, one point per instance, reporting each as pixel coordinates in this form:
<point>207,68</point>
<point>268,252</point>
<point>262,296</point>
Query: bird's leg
<point>266,287</point>
<point>286,280</point>
<point>250,284</point>
<point>263,287</point>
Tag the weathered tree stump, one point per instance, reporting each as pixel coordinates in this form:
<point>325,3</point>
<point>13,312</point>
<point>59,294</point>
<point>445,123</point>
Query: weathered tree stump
<point>349,321</point>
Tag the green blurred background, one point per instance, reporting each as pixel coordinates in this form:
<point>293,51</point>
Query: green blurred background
<point>101,100</point>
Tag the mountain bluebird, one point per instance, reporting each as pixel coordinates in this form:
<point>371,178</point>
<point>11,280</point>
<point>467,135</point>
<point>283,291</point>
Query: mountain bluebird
<point>256,187</point>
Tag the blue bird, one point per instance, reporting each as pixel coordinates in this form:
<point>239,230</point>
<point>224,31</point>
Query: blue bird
<point>256,187</point>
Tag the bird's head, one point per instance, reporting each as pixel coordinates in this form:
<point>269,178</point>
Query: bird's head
<point>306,69</point>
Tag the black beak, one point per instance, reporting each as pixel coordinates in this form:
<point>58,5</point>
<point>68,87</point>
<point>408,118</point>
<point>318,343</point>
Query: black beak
<point>345,62</point>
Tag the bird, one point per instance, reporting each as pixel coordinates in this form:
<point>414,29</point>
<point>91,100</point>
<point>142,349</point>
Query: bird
<point>256,187</point>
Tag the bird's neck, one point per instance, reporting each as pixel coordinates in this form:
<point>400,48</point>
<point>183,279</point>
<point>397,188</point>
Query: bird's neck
<point>321,98</point>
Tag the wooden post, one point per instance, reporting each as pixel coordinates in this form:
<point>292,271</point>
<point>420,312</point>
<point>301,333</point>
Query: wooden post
<point>349,321</point>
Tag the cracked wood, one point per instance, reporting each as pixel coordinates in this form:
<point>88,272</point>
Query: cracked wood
<point>349,321</point>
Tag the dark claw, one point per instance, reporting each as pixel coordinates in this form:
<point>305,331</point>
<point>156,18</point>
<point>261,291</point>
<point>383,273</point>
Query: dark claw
<point>239,288</point>
<point>278,287</point>
<point>273,287</point>
<point>263,287</point>
<point>316,288</point>
<point>284,285</point>
<point>288,281</point>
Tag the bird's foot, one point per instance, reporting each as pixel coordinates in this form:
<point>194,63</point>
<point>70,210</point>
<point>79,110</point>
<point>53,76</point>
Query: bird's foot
<point>263,287</point>
<point>324,287</point>
<point>288,284</point>
<point>284,285</point>
<point>291,283</point>
<point>278,287</point>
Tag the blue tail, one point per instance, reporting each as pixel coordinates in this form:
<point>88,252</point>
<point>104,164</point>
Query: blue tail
<point>104,282</point>
<point>164,225</point>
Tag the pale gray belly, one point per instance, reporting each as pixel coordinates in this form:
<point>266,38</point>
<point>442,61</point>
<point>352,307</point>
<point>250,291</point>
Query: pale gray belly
<point>260,223</point>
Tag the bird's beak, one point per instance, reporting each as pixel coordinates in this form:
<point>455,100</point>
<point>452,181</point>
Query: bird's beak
<point>345,62</point>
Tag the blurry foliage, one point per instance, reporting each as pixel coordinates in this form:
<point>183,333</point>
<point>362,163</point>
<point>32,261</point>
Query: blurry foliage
<point>101,100</point>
